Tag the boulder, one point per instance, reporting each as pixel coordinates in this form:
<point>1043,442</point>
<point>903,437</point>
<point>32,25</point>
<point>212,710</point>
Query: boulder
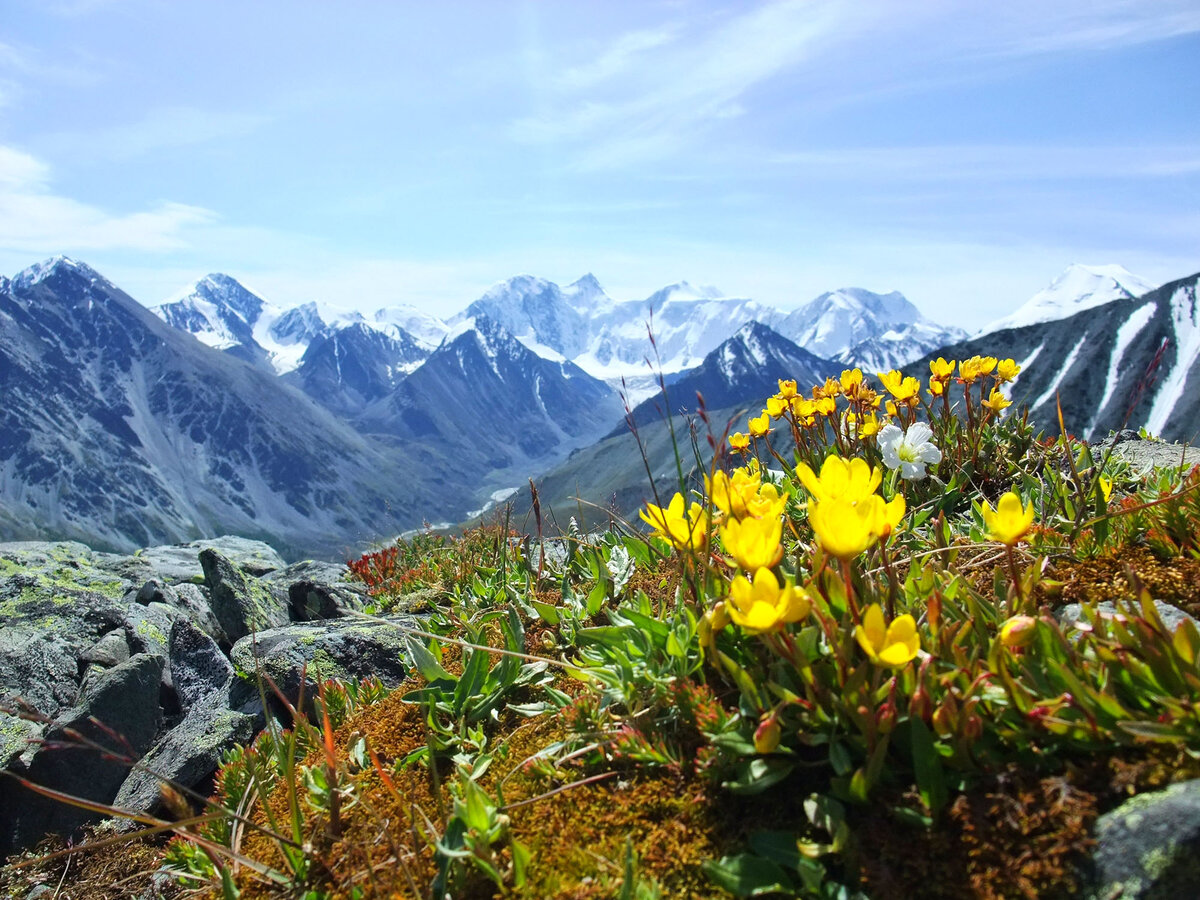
<point>198,667</point>
<point>178,563</point>
<point>192,600</point>
<point>111,650</point>
<point>240,602</point>
<point>343,648</point>
<point>1149,847</point>
<point>1171,616</point>
<point>318,590</point>
<point>51,612</point>
<point>1143,454</point>
<point>120,714</point>
<point>190,753</point>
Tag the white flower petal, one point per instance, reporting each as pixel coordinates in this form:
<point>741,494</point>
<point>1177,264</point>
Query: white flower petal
<point>918,433</point>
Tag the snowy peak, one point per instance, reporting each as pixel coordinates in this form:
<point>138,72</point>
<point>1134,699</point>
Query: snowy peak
<point>1078,288</point>
<point>681,291</point>
<point>429,330</point>
<point>836,322</point>
<point>299,325</point>
<point>56,265</point>
<point>217,309</point>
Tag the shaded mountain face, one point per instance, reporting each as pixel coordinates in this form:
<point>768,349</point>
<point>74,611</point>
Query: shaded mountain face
<point>744,370</point>
<point>1129,363</point>
<point>495,407</point>
<point>120,429</point>
<point>348,369</point>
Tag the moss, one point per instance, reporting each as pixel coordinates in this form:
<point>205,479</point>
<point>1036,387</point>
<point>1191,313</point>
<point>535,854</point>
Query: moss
<point>148,629</point>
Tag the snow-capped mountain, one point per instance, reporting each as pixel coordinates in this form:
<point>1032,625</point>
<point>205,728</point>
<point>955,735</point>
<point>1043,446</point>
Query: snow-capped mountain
<point>494,406</point>
<point>858,327</point>
<point>122,431</point>
<point>428,330</point>
<point>1078,288</point>
<point>609,339</point>
<point>348,368</point>
<point>742,371</point>
<point>225,315</point>
<point>1129,363</point>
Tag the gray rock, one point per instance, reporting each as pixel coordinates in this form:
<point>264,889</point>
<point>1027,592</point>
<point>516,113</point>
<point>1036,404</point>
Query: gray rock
<point>177,563</point>
<point>192,600</point>
<point>240,602</point>
<point>1144,455</point>
<point>1171,616</point>
<point>1148,848</point>
<point>198,667</point>
<point>148,628</point>
<point>111,650</point>
<point>343,648</point>
<point>125,701</point>
<point>52,610</point>
<point>15,737</point>
<point>318,590</point>
<point>189,753</point>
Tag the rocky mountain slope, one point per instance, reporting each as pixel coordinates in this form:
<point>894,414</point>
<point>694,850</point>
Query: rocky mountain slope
<point>120,429</point>
<point>1128,363</point>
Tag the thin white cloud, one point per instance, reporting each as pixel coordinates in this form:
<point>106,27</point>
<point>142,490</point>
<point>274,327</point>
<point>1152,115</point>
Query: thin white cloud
<point>618,58</point>
<point>661,100</point>
<point>1102,26</point>
<point>36,220</point>
<point>989,164</point>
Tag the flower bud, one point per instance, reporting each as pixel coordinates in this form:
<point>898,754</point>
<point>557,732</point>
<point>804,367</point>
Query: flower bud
<point>766,736</point>
<point>1018,631</point>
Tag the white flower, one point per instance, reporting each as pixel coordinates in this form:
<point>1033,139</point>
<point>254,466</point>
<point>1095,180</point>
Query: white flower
<point>910,452</point>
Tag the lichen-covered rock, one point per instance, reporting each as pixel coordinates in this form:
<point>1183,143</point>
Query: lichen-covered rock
<point>125,703</point>
<point>111,650</point>
<point>1142,454</point>
<point>198,667</point>
<point>240,602</point>
<point>1148,848</point>
<point>189,753</point>
<point>343,648</point>
<point>52,610</point>
<point>192,600</point>
<point>318,590</point>
<point>1171,616</point>
<point>178,563</point>
<point>15,737</point>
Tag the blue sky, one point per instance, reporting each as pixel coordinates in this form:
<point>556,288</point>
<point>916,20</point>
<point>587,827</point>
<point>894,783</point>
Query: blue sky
<point>369,153</point>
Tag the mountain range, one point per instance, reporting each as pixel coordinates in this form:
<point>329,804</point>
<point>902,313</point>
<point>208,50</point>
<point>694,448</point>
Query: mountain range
<point>220,412</point>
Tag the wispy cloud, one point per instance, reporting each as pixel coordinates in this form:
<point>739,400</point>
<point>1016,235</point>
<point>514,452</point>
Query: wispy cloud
<point>36,220</point>
<point>995,163</point>
<point>1102,26</point>
<point>651,103</point>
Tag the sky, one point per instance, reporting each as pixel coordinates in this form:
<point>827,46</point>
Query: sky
<point>366,154</point>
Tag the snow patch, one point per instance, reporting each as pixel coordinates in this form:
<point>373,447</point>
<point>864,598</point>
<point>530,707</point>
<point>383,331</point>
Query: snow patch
<point>1125,335</point>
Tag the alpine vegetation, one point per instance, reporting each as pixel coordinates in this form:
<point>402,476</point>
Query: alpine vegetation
<point>894,643</point>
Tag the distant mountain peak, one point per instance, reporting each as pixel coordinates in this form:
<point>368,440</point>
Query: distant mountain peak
<point>1077,288</point>
<point>56,264</point>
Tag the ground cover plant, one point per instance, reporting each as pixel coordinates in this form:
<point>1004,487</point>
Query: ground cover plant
<point>836,668</point>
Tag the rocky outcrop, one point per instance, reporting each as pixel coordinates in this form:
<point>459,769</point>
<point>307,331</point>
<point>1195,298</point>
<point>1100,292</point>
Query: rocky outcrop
<point>133,654</point>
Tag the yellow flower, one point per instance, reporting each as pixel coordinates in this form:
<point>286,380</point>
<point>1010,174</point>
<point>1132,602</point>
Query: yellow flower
<point>710,624</point>
<point>826,406</point>
<point>684,530</point>
<point>765,604</point>
<point>905,390</point>
<point>803,408</point>
<point>896,646</point>
<point>937,388</point>
<point>760,426</point>
<point>890,514</point>
<point>1018,631</point>
<point>1007,370</point>
<point>851,381</point>
<point>850,480</point>
<point>976,367</point>
<point>1105,487</point>
<point>727,492</point>
<point>754,543</point>
<point>940,370</point>
<point>831,388</point>
<point>996,401</point>
<point>1009,521</point>
<point>739,442</point>
<point>776,406</point>
<point>787,389</point>
<point>846,529</point>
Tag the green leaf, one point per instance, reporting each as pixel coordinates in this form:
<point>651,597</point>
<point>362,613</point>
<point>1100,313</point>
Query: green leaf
<point>545,611</point>
<point>756,775</point>
<point>425,662</point>
<point>520,856</point>
<point>927,763</point>
<point>746,875</point>
<point>596,597</point>
<point>777,846</point>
